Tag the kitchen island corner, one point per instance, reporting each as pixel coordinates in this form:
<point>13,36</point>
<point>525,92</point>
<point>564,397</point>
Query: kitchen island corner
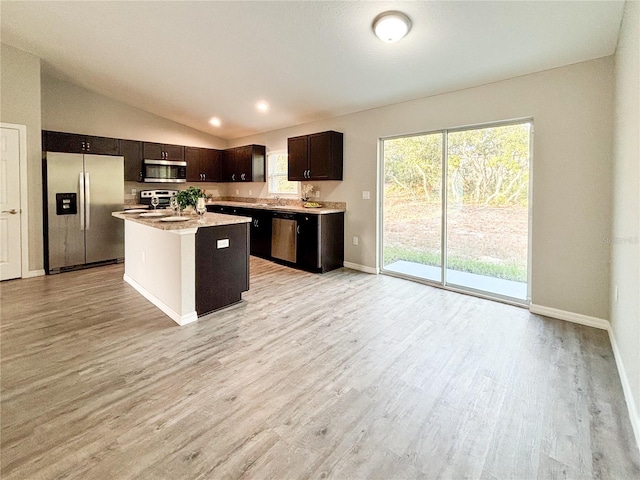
<point>187,268</point>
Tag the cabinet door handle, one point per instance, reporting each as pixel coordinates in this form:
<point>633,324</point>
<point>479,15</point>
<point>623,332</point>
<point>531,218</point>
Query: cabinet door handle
<point>233,177</point>
<point>88,146</point>
<point>298,229</point>
<point>242,176</point>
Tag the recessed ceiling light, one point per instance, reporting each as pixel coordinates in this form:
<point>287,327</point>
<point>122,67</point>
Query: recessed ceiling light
<point>262,106</point>
<point>215,121</point>
<point>391,26</point>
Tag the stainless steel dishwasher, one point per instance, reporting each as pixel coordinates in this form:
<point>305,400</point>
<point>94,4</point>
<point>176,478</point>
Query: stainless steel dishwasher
<point>283,236</point>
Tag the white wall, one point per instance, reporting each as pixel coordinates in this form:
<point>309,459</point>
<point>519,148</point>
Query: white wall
<point>20,103</point>
<point>572,108</point>
<point>69,108</point>
<point>625,255</point>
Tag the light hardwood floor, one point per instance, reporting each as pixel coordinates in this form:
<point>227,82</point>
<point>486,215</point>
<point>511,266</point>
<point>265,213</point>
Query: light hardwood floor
<point>341,375</point>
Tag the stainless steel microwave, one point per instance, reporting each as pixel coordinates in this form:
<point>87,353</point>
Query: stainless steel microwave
<point>164,171</point>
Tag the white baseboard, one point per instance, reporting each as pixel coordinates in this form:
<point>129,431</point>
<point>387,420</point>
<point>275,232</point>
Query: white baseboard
<point>33,273</point>
<point>570,316</point>
<point>626,388</point>
<point>175,316</point>
<point>360,268</point>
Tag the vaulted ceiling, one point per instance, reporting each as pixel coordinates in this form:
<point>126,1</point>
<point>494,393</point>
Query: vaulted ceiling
<point>190,61</point>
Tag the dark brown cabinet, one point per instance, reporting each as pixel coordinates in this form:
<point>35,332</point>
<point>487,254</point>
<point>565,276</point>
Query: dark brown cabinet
<point>77,143</point>
<point>203,164</point>
<point>260,233</point>
<point>222,266</point>
<point>320,242</point>
<point>131,150</point>
<point>244,164</point>
<point>318,156</point>
<point>298,158</point>
<point>160,151</point>
<point>319,238</point>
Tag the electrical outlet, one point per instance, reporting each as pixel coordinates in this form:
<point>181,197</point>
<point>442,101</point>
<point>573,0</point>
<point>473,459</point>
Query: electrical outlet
<point>133,191</point>
<point>355,240</point>
<point>317,193</point>
<point>615,294</point>
<point>366,195</point>
<point>250,193</point>
<point>237,192</point>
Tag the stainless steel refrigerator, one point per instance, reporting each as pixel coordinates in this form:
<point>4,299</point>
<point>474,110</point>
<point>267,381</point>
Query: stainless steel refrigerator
<point>81,192</point>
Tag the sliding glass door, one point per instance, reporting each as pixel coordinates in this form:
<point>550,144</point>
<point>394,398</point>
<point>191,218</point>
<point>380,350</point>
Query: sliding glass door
<point>412,206</point>
<point>473,235</point>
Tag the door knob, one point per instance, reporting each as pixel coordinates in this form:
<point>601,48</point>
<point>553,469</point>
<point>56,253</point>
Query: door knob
<point>13,211</point>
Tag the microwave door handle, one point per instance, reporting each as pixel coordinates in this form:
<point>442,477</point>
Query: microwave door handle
<point>81,190</point>
<point>88,199</point>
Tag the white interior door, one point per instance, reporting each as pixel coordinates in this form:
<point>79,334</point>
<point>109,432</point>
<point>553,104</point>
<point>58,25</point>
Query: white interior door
<point>10,211</point>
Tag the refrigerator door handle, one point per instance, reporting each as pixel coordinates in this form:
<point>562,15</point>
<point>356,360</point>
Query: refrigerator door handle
<point>87,195</point>
<point>81,188</point>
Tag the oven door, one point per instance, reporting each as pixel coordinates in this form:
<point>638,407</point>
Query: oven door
<point>164,171</point>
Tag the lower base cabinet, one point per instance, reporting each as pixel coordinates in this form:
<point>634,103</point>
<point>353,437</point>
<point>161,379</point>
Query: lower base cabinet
<point>320,242</point>
<point>260,233</point>
<point>319,238</point>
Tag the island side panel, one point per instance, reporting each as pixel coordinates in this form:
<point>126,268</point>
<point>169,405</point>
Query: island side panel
<point>222,272</point>
<point>161,263</point>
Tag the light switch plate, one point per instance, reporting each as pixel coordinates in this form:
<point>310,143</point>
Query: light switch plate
<point>366,195</point>
<point>223,243</point>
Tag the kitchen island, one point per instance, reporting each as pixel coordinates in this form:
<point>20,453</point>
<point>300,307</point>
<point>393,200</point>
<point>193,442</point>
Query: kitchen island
<point>187,268</point>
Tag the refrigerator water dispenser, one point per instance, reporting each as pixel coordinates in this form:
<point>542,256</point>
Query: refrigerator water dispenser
<point>66,203</point>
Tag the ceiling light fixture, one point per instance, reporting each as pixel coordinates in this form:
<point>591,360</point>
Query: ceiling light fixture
<point>215,121</point>
<point>262,106</point>
<point>391,26</point>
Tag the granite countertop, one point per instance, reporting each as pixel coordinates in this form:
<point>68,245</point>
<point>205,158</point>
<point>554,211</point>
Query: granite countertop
<point>209,220</point>
<point>276,208</point>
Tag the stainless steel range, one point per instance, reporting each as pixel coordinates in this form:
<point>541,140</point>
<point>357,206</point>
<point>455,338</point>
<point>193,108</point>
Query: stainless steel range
<point>164,197</point>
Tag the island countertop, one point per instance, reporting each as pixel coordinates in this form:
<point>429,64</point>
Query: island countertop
<point>208,220</point>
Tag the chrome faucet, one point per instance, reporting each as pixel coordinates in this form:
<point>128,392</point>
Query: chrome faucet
<point>277,198</point>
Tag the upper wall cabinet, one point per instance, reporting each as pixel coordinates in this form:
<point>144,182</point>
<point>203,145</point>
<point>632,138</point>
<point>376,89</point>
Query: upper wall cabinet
<point>244,164</point>
<point>131,150</point>
<point>159,151</point>
<point>203,164</point>
<point>75,143</point>
<point>316,157</point>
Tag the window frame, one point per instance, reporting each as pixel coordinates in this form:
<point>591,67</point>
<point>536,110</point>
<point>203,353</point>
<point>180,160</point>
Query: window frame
<point>270,175</point>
